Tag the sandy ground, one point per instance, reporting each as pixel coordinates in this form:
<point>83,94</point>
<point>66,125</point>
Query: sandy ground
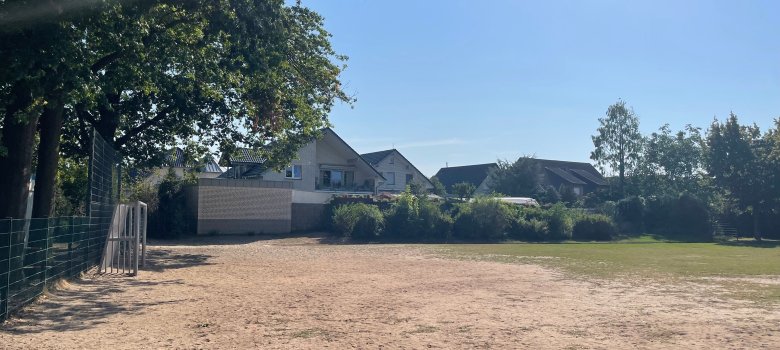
<point>295,293</point>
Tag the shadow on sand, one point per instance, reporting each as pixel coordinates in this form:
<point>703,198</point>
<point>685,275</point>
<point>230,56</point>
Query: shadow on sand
<point>238,239</point>
<point>86,302</point>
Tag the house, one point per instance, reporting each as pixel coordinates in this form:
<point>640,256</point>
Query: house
<point>176,160</point>
<point>251,197</point>
<point>397,171</point>
<point>327,164</point>
<point>579,176</point>
<point>477,175</point>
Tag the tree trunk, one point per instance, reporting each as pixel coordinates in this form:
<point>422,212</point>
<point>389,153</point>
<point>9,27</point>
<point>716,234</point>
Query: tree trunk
<point>48,159</point>
<point>756,224</point>
<point>18,137</point>
<point>109,119</point>
<point>622,174</point>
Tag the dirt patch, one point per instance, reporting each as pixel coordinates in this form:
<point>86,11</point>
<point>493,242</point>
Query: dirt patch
<point>254,292</point>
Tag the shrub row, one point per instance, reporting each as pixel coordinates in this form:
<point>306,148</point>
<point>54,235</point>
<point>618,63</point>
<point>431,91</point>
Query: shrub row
<point>413,218</point>
<point>358,221</point>
<point>684,217</point>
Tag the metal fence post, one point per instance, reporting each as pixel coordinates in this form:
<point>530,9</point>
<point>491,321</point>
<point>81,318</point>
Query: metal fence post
<point>46,255</point>
<point>137,229</point>
<point>70,247</point>
<point>8,275</point>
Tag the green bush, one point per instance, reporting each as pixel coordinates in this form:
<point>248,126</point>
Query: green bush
<point>171,219</point>
<point>658,214</point>
<point>531,230</point>
<point>629,214</point>
<point>416,219</point>
<point>358,221</point>
<point>593,227</point>
<point>691,219</point>
<point>434,224</point>
<point>402,218</point>
<point>560,221</point>
<point>335,202</point>
<point>483,218</point>
<point>684,217</point>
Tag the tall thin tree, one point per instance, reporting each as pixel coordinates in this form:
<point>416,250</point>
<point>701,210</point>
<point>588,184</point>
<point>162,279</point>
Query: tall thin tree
<point>618,142</point>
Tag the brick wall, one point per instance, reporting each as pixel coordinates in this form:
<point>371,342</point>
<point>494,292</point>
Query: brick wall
<point>241,206</point>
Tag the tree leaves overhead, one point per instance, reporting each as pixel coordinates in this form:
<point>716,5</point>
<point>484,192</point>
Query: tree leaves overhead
<point>226,74</point>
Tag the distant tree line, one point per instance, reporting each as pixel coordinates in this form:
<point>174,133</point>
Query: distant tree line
<point>729,173</point>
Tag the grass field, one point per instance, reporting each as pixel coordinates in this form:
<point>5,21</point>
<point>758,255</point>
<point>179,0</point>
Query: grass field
<point>748,269</point>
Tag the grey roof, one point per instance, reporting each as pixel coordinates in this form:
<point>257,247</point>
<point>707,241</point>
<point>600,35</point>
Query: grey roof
<point>565,175</point>
<point>578,173</point>
<point>374,158</point>
<point>176,159</point>
<point>591,177</point>
<point>473,174</point>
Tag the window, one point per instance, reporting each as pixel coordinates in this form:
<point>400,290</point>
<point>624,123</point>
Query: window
<point>390,178</point>
<point>409,178</point>
<point>337,178</point>
<point>293,172</point>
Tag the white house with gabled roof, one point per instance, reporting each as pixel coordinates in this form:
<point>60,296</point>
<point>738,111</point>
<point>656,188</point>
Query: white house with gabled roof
<point>397,171</point>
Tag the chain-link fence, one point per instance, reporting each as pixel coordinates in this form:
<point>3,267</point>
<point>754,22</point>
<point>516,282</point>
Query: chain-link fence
<point>36,252</point>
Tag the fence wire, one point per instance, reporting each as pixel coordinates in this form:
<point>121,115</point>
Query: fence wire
<point>36,252</point>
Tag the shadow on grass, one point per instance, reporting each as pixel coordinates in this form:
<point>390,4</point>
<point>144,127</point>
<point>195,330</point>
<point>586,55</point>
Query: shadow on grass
<point>87,302</point>
<point>752,243</point>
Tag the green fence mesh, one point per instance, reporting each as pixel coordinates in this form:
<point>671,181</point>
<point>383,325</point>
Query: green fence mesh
<point>35,252</point>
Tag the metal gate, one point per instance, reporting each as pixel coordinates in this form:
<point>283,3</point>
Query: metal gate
<point>126,241</point>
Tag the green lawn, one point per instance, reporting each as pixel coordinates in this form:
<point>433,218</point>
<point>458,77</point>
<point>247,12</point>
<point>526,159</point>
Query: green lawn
<point>644,258</point>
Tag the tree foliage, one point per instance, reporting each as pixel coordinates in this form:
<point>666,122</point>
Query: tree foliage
<point>150,74</point>
<point>464,190</point>
<point>518,179</point>
<point>618,142</point>
<point>742,162</point>
<point>229,73</point>
<point>670,163</point>
<point>438,188</point>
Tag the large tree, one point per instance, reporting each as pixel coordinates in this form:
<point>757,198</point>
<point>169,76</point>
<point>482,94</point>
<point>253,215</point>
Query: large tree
<point>39,60</point>
<point>618,142</point>
<point>671,162</point>
<point>739,161</point>
<point>518,179</point>
<point>223,73</point>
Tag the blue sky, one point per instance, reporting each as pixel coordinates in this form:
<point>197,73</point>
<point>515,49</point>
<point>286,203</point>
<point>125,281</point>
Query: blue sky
<point>466,82</point>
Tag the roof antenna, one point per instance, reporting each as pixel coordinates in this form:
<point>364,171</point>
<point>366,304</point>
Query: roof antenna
<point>446,164</point>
